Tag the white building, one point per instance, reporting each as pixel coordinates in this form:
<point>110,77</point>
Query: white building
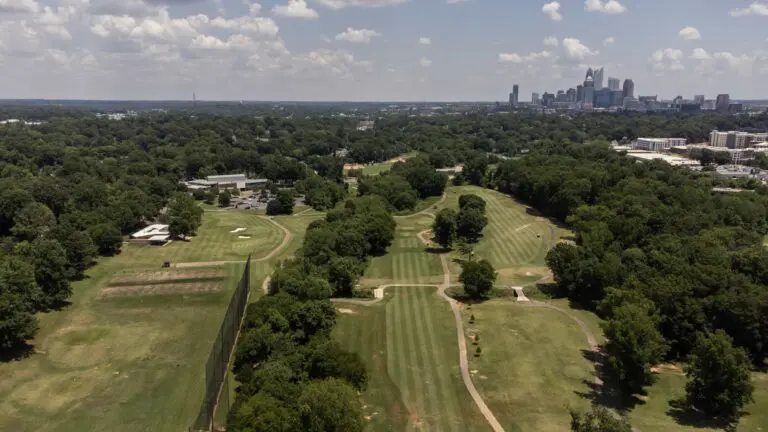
<point>735,139</point>
<point>658,144</point>
<point>613,84</point>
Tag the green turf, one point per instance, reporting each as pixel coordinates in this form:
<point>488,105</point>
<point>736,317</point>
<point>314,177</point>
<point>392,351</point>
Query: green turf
<point>531,368</point>
<point>409,344</point>
<point>133,363</point>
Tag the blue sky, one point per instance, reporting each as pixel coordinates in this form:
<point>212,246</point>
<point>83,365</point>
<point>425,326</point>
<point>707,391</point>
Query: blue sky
<point>377,49</point>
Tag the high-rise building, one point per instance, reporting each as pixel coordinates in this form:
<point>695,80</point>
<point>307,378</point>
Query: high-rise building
<point>561,97</point>
<point>547,99</point>
<point>629,88</point>
<point>535,99</point>
<point>513,97</point>
<point>579,93</point>
<point>617,98</point>
<point>603,98</point>
<point>598,77</point>
<point>699,99</point>
<point>723,100</point>
<point>589,89</point>
<point>613,84</point>
<point>571,94</point>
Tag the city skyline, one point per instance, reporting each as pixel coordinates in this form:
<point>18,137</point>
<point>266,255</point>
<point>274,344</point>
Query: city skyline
<point>369,50</point>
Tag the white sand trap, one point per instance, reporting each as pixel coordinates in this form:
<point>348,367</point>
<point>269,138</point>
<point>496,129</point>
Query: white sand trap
<point>346,311</point>
<point>237,230</point>
<point>528,274</point>
<point>243,237</point>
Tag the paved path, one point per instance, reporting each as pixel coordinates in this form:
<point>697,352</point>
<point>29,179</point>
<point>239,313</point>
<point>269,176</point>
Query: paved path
<point>521,298</point>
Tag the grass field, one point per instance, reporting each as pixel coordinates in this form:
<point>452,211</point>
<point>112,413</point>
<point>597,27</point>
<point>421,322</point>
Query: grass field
<point>409,346</point>
<point>136,362</point>
<point>531,369</point>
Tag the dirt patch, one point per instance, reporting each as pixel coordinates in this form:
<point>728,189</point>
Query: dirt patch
<point>353,166</point>
<point>155,276</point>
<point>243,237</point>
<point>667,367</point>
<point>346,311</point>
<point>170,288</point>
<point>237,230</point>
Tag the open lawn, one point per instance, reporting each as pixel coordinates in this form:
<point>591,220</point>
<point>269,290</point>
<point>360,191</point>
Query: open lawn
<point>406,260</point>
<point>531,369</point>
<point>409,345</point>
<point>135,360</point>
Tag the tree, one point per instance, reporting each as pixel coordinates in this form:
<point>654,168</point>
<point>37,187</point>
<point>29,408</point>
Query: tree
<point>185,216</point>
<point>466,249</point>
<point>598,420</point>
<point>282,204</point>
<point>634,345</point>
<point>343,273</point>
<point>32,221</point>
<point>719,379</point>
<point>263,412</point>
<point>79,248</point>
<point>17,320</point>
<point>49,259</point>
<point>107,238</point>
<point>330,405</point>
<point>478,278</point>
<point>470,224</point>
<point>225,198</point>
<point>468,201</point>
<point>444,228</point>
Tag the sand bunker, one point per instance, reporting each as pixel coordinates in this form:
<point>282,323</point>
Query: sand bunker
<point>346,311</point>
<point>237,230</point>
<point>243,237</point>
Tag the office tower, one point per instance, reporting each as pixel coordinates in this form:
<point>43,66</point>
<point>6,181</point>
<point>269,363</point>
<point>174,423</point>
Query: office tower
<point>590,74</point>
<point>547,99</point>
<point>535,99</point>
<point>589,89</point>
<point>598,77</point>
<point>613,84</point>
<point>579,93</point>
<point>617,98</point>
<point>513,97</point>
<point>629,88</point>
<point>571,95</point>
<point>699,99</point>
<point>723,100</point>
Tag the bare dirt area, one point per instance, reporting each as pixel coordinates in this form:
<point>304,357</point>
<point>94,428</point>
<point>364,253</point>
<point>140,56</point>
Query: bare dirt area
<point>169,288</point>
<point>162,276</point>
<point>346,311</point>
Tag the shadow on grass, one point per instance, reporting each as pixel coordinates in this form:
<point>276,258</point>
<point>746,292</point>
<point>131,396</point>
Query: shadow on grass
<point>604,389</point>
<point>18,352</point>
<point>688,416</point>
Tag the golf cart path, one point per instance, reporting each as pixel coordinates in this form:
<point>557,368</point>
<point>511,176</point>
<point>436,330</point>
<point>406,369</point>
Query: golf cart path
<point>287,237</point>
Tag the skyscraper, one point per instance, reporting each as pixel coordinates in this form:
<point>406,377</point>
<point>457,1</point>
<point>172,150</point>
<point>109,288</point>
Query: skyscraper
<point>598,77</point>
<point>571,94</point>
<point>513,97</point>
<point>589,90</point>
<point>613,84</point>
<point>723,100</point>
<point>535,99</point>
<point>579,93</point>
<point>699,99</point>
<point>629,88</point>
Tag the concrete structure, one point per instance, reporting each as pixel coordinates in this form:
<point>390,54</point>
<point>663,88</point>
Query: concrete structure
<point>227,181</point>
<point>699,99</point>
<point>598,79</point>
<point>629,88</point>
<point>735,139</point>
<point>365,125</point>
<point>579,93</point>
<point>658,144</point>
<point>589,90</point>
<point>632,104</point>
<point>535,99</point>
<point>515,95</point>
<point>613,84</point>
<point>672,160</point>
<point>723,101</point>
<point>155,231</point>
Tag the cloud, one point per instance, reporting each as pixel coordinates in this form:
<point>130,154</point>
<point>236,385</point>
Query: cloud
<point>611,7</point>
<point>337,63</point>
<point>359,36</point>
<point>19,6</point>
<point>295,9</point>
<point>700,54</point>
<point>574,49</point>
<point>518,59</point>
<point>753,9</point>
<point>425,62</point>
<point>341,4</point>
<point>425,41</point>
<point>552,10</point>
<point>666,59</point>
<point>609,41</point>
<point>690,33</point>
<point>131,8</point>
<point>551,41</point>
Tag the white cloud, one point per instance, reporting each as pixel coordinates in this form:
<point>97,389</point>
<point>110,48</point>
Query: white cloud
<point>360,36</point>
<point>341,4</point>
<point>667,53</point>
<point>552,10</point>
<point>338,63</point>
<point>295,9</point>
<point>551,41</point>
<point>753,9</point>
<point>611,7</point>
<point>700,54</point>
<point>425,62</point>
<point>577,50</point>
<point>425,41</point>
<point>609,41</point>
<point>667,59</point>
<point>19,6</point>
<point>690,33</point>
<point>518,59</point>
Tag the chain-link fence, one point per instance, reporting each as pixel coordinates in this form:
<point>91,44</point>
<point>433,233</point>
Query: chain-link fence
<point>217,386</point>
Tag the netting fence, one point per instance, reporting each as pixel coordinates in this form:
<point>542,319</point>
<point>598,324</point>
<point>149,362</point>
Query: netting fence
<point>217,397</point>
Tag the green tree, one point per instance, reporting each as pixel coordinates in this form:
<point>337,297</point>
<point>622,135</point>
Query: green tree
<point>343,273</point>
<point>634,345</point>
<point>263,412</point>
<point>478,278</point>
<point>79,248</point>
<point>17,319</point>
<point>185,216</point>
<point>225,198</point>
<point>465,249</point>
<point>32,221</point>
<point>598,420</point>
<point>49,260</point>
<point>719,377</point>
<point>470,224</point>
<point>282,204</point>
<point>107,238</point>
<point>444,228</point>
<point>468,201</point>
<point>330,405</point>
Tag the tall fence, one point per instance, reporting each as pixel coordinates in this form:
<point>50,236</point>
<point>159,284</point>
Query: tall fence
<point>217,368</point>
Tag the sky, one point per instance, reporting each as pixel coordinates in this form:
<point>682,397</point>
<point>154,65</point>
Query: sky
<point>377,50</point>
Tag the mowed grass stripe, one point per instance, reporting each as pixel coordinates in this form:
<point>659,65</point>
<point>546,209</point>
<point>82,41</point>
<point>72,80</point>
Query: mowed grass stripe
<point>406,347</point>
<point>439,377</point>
<point>426,366</point>
<point>403,374</point>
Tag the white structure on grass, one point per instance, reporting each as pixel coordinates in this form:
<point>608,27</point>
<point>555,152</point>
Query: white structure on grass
<point>154,234</point>
<point>658,144</point>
